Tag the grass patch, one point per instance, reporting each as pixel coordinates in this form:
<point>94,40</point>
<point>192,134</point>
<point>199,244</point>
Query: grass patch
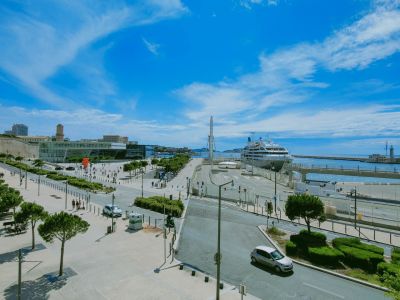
<point>360,274</point>
<point>275,231</point>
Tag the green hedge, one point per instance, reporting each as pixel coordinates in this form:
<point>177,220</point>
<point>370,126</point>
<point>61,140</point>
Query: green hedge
<point>360,258</point>
<point>291,248</point>
<point>157,203</point>
<point>392,269</point>
<point>356,243</point>
<point>305,239</point>
<point>325,255</point>
<point>396,255</point>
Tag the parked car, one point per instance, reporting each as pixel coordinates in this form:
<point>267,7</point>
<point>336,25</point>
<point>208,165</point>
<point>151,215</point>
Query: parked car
<point>69,168</point>
<point>58,168</point>
<point>272,258</point>
<point>112,210</point>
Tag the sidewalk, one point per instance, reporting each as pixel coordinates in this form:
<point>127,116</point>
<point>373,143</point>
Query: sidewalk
<point>337,227</point>
<point>122,265</point>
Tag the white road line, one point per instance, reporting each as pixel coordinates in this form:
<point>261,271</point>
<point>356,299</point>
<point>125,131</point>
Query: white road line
<point>323,290</point>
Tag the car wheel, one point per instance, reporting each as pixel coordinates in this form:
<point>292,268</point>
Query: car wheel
<point>253,260</point>
<point>277,269</point>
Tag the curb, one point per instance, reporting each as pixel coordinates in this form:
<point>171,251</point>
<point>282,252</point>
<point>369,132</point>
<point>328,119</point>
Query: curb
<point>324,270</point>
<point>176,244</point>
<point>322,229</point>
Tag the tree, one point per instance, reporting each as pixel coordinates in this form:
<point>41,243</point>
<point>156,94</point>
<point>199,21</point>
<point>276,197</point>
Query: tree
<point>38,163</point>
<point>62,226</point>
<point>11,199</point>
<point>305,206</point>
<point>269,207</point>
<point>31,212</point>
<point>19,158</point>
<point>143,164</point>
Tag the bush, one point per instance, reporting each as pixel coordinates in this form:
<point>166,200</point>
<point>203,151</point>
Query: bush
<point>157,203</point>
<point>392,269</point>
<point>360,258</point>
<point>305,239</point>
<point>291,248</point>
<point>356,243</point>
<point>396,255</point>
<point>325,255</point>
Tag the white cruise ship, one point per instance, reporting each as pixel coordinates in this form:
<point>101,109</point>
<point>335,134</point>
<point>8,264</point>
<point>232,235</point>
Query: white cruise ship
<point>265,154</point>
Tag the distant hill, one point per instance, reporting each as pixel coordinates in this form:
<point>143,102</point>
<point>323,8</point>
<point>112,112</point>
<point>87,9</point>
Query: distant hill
<point>238,150</point>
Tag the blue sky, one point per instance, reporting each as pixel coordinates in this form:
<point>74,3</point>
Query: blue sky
<point>317,76</point>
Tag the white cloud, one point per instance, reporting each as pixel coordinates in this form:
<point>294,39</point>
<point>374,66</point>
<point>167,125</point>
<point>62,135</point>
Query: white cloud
<point>152,47</point>
<point>286,76</point>
<point>248,4</point>
<point>44,38</point>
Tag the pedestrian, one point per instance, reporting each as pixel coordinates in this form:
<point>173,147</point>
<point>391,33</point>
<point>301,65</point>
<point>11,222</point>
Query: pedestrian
<point>73,204</point>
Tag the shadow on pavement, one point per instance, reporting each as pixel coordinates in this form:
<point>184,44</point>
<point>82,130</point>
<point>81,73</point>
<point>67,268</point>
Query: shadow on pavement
<point>13,255</point>
<point>271,270</point>
<point>39,288</point>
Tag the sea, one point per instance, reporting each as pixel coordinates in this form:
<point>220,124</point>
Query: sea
<point>329,163</point>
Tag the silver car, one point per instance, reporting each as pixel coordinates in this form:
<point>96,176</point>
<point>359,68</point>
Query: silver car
<point>112,210</point>
<point>272,258</point>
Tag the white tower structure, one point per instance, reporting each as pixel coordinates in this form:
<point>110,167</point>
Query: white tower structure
<point>211,142</point>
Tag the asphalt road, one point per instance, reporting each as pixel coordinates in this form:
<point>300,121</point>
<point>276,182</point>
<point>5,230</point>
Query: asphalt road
<point>239,236</point>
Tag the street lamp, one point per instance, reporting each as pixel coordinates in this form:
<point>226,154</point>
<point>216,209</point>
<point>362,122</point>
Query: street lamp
<point>112,213</point>
<point>218,254</point>
<point>273,169</point>
<point>355,207</point>
<point>142,183</point>
<point>66,193</point>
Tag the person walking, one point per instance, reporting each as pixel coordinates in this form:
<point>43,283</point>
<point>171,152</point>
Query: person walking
<point>73,204</point>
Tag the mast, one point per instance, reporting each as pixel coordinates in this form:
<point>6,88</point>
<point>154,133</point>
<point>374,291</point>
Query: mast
<point>211,142</point>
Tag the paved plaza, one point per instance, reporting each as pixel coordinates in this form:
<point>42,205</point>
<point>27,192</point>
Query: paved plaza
<point>122,265</point>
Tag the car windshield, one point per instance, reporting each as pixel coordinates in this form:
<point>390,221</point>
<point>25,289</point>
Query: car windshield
<point>276,255</point>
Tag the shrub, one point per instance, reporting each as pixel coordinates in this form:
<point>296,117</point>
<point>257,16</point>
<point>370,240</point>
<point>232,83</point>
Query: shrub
<point>360,258</point>
<point>325,255</point>
<point>396,255</point>
<point>305,239</point>
<point>392,269</point>
<point>157,203</point>
<point>291,248</point>
<point>356,243</point>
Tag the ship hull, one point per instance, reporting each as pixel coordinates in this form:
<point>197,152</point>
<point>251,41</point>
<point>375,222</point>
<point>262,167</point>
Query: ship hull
<point>267,163</point>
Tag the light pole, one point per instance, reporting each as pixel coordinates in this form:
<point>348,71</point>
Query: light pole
<point>112,213</point>
<point>273,169</point>
<point>38,187</point>
<point>142,183</point>
<point>355,207</point>
<point>26,178</point>
<point>218,254</point>
<point>66,193</point>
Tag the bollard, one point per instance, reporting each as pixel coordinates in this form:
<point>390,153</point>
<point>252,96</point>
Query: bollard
<point>206,279</point>
<point>181,267</point>
<point>221,285</point>
<point>193,272</point>
<point>155,223</point>
<point>149,220</point>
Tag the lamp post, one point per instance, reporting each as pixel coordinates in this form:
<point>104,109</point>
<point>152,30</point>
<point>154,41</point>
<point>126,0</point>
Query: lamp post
<point>355,207</point>
<point>38,187</point>
<point>26,179</point>
<point>142,182</point>
<point>218,254</point>
<point>273,169</point>
<point>112,213</point>
<point>66,193</point>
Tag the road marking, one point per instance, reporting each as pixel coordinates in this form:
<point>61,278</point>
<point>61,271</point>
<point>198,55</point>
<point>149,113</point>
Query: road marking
<point>323,290</point>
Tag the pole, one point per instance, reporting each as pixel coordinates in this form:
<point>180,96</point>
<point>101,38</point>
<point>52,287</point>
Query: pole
<point>355,207</point>
<point>142,183</point>
<point>218,257</point>
<point>38,189</point>
<point>165,239</point>
<point>112,213</point>
<point>19,274</point>
<point>275,191</point>
<point>66,194</point>
<point>26,179</point>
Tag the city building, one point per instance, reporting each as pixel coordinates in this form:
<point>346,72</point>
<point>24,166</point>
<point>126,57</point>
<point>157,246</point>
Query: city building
<point>20,129</point>
<point>115,139</point>
<point>34,139</point>
<point>60,133</point>
<point>67,151</point>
